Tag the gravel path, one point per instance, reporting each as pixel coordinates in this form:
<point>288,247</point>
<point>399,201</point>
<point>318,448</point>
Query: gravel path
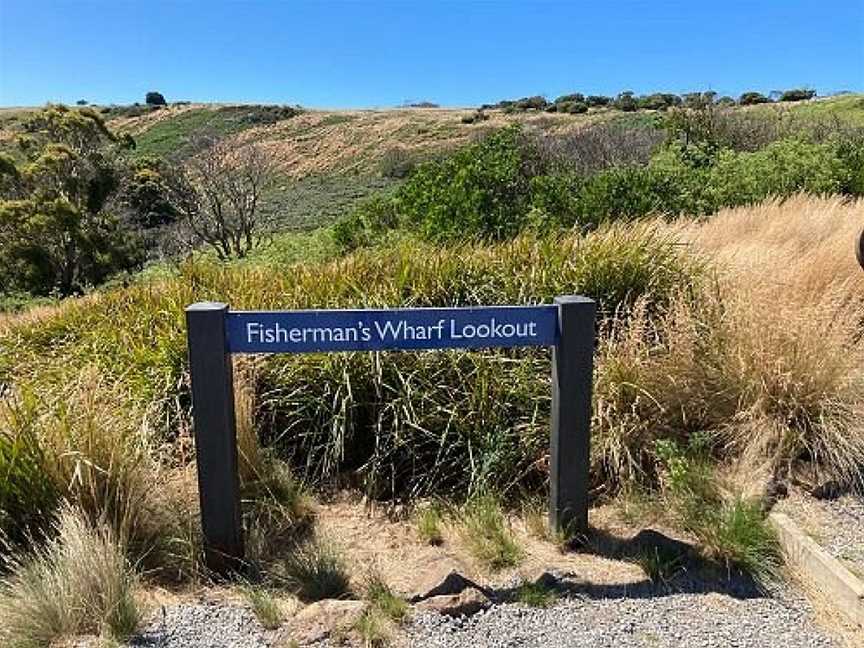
<point>836,524</point>
<point>207,625</point>
<point>638,620</point>
<point>673,621</point>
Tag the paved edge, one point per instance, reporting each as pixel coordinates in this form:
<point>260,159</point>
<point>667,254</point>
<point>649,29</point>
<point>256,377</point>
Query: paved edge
<point>844,589</point>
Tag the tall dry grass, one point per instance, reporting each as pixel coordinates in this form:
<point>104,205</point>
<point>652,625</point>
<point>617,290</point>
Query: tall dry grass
<point>797,249</point>
<point>770,358</point>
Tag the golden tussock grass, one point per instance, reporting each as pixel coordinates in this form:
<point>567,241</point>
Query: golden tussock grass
<point>769,357</point>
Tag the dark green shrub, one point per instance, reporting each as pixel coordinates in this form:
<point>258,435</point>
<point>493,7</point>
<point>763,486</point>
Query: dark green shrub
<point>851,153</point>
<point>751,98</point>
<point>798,94</point>
<point>482,190</point>
<point>155,99</point>
<point>626,102</point>
<point>597,100</point>
<point>531,103</point>
<point>780,169</point>
<point>555,199</point>
<point>570,98</point>
<point>367,223</point>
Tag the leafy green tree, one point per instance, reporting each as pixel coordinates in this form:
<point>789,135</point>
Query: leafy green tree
<point>626,102</point>
<point>797,94</point>
<point>59,229</point>
<point>155,99</point>
<point>751,98</point>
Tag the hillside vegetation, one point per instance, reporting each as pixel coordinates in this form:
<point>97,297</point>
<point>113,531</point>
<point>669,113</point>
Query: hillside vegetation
<point>718,243</point>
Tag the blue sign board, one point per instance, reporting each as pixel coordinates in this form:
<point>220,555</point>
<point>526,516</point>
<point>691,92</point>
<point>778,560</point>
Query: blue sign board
<point>378,330</point>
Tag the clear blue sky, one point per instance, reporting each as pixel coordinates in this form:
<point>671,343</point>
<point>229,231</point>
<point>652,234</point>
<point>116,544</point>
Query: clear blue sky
<point>347,54</point>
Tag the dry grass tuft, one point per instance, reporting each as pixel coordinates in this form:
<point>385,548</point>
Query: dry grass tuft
<point>79,582</point>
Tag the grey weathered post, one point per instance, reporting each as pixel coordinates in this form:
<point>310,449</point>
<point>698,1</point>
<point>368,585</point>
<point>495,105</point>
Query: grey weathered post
<point>215,435</point>
<point>572,375</point>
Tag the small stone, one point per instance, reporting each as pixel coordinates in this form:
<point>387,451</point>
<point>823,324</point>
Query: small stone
<point>319,620</point>
<point>466,603</point>
<point>434,585</point>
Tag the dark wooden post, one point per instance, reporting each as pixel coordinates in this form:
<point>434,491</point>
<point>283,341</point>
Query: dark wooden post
<point>570,445</point>
<point>215,435</point>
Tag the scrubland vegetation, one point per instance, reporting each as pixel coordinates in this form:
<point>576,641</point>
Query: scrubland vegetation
<point>718,244</point>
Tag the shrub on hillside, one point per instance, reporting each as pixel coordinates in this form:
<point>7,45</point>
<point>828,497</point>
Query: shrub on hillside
<point>154,98</point>
<point>597,147</point>
<point>751,98</point>
<point>798,94</point>
<point>480,190</point>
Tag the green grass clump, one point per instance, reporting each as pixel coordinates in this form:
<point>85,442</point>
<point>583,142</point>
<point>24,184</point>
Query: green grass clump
<point>733,530</point>
<point>27,498</point>
<point>659,564</point>
<point>78,582</point>
<point>428,521</point>
<point>487,534</point>
<point>535,595</point>
<point>382,598</point>
<point>265,606</point>
<point>315,571</point>
<point>407,423</point>
<point>374,628</point>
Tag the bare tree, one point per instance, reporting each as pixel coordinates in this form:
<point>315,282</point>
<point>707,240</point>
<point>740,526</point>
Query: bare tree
<point>217,194</point>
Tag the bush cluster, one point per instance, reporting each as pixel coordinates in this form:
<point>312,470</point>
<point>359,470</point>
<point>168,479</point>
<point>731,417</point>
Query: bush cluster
<point>628,101</point>
<point>499,186</point>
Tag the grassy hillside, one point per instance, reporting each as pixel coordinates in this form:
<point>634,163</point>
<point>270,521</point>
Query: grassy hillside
<point>728,357</point>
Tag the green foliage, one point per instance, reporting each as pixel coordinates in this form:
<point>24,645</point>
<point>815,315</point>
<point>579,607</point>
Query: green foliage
<point>798,94</point>
<point>78,583</point>
<point>626,102</point>
<point>536,595</point>
<point>367,223</point>
<point>734,530</point>
<point>155,99</point>
<point>481,189</point>
<point>172,137</point>
<point>27,496</point>
<point>146,193</point>
<point>265,606</point>
<point>506,183</point>
<point>382,598</point>
<point>780,169</point>
<point>428,521</point>
<point>752,98</point>
<point>660,564</point>
<point>57,228</point>
<point>405,423</point>
<point>487,534</point>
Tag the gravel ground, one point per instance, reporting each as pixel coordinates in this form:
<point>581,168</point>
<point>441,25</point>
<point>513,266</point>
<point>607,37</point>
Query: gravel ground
<point>847,538</point>
<point>836,524</point>
<point>641,619</point>
<point>674,621</point>
<point>207,625</point>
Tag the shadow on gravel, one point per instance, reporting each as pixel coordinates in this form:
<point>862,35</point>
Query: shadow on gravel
<point>671,567</point>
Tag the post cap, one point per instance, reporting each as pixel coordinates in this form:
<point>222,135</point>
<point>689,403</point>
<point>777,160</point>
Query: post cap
<point>206,306</point>
<point>573,299</point>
